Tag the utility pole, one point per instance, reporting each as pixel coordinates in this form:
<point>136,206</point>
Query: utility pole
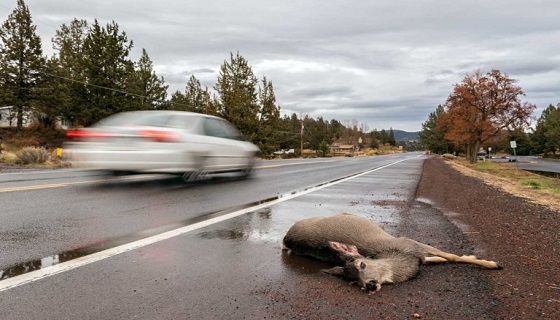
<point>301,136</point>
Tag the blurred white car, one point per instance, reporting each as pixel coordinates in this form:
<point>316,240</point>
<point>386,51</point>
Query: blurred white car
<point>176,142</point>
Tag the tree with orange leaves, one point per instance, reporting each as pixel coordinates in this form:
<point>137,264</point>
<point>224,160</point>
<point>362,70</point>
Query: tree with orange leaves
<point>481,107</point>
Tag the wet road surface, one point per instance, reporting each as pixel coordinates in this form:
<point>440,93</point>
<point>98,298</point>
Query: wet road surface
<point>233,269</point>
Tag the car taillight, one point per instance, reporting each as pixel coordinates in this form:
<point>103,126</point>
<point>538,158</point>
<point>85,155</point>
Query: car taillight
<point>160,136</point>
<point>80,134</point>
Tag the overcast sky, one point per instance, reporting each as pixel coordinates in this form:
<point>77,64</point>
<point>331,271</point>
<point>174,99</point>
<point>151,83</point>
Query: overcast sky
<point>384,63</point>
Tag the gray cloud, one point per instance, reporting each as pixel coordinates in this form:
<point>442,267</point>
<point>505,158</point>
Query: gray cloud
<point>389,63</point>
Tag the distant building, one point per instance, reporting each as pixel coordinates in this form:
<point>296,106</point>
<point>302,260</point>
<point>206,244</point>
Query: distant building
<point>341,148</point>
<point>8,118</point>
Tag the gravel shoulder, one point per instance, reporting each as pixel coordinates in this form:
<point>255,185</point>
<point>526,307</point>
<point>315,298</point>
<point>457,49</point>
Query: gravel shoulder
<point>524,237</point>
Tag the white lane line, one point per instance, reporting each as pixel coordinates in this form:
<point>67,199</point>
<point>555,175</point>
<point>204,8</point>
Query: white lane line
<point>33,276</point>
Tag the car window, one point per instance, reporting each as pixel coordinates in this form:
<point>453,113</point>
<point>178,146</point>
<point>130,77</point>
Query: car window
<point>220,128</point>
<point>160,120</point>
<point>186,122</point>
<point>137,119</point>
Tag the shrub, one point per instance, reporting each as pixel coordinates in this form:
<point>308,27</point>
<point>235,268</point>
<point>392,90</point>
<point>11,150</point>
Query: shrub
<point>25,141</point>
<point>31,155</point>
<point>8,157</point>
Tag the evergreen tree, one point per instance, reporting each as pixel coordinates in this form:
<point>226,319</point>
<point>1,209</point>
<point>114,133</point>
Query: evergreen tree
<point>336,130</point>
<point>237,90</point>
<point>150,91</point>
<point>268,136</point>
<point>194,99</point>
<point>316,133</point>
<point>178,101</point>
<point>68,66</point>
<point>21,62</point>
<point>198,99</point>
<point>383,137</point>
<point>52,101</point>
<point>546,137</point>
<point>375,137</point>
<point>431,136</point>
<point>107,69</point>
<point>391,139</point>
<point>289,132</point>
<point>522,139</point>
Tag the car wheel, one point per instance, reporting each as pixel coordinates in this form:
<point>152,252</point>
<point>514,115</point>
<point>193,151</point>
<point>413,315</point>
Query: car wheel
<point>249,169</point>
<point>200,173</point>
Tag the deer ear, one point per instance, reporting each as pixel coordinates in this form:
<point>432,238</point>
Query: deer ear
<point>335,245</point>
<point>353,250</point>
<point>345,249</point>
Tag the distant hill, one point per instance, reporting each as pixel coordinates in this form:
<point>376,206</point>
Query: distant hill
<point>406,136</point>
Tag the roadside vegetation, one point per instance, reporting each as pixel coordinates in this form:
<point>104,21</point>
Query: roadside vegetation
<point>484,114</point>
<point>33,146</point>
<point>535,187</point>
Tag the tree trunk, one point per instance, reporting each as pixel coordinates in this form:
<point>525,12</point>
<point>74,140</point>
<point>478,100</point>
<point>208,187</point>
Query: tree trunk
<point>19,115</point>
<point>473,152</point>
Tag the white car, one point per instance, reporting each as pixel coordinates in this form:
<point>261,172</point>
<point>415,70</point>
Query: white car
<point>175,142</point>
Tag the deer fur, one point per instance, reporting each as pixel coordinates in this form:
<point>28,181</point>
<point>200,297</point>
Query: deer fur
<point>364,252</point>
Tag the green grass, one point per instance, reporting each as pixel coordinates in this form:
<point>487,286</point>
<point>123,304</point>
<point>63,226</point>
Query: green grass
<point>522,178</point>
<point>532,184</point>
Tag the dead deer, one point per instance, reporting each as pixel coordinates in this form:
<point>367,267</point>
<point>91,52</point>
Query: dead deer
<point>365,253</point>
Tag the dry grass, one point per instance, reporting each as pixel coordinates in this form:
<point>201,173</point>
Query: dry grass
<point>13,158</point>
<point>534,187</point>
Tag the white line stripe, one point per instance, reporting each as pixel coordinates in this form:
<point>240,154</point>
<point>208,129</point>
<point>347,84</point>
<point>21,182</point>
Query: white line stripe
<point>85,260</point>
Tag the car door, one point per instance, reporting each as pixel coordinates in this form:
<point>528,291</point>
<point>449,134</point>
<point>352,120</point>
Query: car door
<point>226,151</point>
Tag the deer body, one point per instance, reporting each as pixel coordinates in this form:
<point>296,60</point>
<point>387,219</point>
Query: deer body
<point>364,252</point>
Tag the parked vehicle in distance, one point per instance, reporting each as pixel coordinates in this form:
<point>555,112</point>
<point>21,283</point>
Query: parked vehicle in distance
<point>161,141</point>
<point>290,151</point>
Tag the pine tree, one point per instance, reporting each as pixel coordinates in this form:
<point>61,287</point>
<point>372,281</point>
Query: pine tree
<point>69,67</point>
<point>391,139</point>
<point>194,99</point>
<point>150,91</point>
<point>237,90</point>
<point>431,136</point>
<point>268,138</point>
<point>546,137</point>
<point>198,99</point>
<point>107,69</point>
<point>21,62</point>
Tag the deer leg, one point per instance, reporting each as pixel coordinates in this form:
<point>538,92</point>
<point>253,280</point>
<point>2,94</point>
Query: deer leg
<point>429,250</point>
<point>468,259</point>
<point>435,260</point>
<point>442,260</point>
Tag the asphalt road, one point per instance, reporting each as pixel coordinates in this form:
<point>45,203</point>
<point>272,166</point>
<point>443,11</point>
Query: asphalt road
<point>76,245</point>
<point>532,163</point>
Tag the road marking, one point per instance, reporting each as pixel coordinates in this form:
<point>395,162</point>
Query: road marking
<point>66,184</point>
<point>57,185</point>
<point>291,164</point>
<point>33,276</point>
